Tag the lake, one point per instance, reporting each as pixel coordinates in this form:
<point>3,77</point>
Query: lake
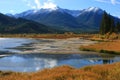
<point>34,62</point>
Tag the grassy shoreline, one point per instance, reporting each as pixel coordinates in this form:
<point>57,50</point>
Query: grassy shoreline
<point>97,72</point>
<point>111,47</point>
<point>46,36</point>
<point>94,37</point>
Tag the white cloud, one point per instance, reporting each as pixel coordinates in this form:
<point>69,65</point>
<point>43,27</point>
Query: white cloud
<point>49,4</point>
<point>114,2</point>
<point>38,4</point>
<point>105,1</point>
<point>29,4</point>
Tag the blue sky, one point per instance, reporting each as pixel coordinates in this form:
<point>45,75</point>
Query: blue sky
<point>17,6</point>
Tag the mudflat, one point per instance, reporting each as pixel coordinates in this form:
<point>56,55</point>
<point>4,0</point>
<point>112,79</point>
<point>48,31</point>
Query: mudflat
<point>63,46</point>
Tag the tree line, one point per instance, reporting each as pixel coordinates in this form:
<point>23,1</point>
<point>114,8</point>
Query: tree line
<point>108,24</point>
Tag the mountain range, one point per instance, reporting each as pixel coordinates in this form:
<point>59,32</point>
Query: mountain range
<point>20,25</point>
<point>59,20</point>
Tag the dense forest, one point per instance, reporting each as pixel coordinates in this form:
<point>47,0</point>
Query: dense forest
<point>10,25</point>
<point>108,24</point>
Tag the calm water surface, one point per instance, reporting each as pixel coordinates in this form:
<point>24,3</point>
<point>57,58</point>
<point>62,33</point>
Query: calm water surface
<point>35,62</point>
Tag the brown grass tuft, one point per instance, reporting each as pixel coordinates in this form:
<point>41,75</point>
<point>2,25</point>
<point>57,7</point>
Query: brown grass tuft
<point>98,72</point>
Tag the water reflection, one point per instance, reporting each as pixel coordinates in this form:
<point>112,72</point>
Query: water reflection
<point>6,43</point>
<point>21,64</point>
<point>108,61</point>
<point>35,62</point>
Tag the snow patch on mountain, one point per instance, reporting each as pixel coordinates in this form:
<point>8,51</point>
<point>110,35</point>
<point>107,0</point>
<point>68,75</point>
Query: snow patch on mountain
<point>93,10</point>
<point>74,13</point>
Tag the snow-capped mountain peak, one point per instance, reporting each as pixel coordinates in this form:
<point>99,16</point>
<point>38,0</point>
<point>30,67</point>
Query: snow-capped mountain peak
<point>51,8</point>
<point>92,9</point>
<point>47,10</point>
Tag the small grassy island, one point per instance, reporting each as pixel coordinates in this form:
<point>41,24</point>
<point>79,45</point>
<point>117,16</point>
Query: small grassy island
<point>107,44</point>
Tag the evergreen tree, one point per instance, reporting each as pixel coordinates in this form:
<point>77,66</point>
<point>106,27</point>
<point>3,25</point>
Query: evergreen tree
<point>112,25</point>
<point>107,24</point>
<point>117,29</point>
<point>102,26</point>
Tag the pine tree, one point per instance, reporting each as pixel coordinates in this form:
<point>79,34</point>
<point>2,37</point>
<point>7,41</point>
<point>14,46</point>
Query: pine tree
<point>107,24</point>
<point>102,26</point>
<point>112,25</point>
<point>117,29</point>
